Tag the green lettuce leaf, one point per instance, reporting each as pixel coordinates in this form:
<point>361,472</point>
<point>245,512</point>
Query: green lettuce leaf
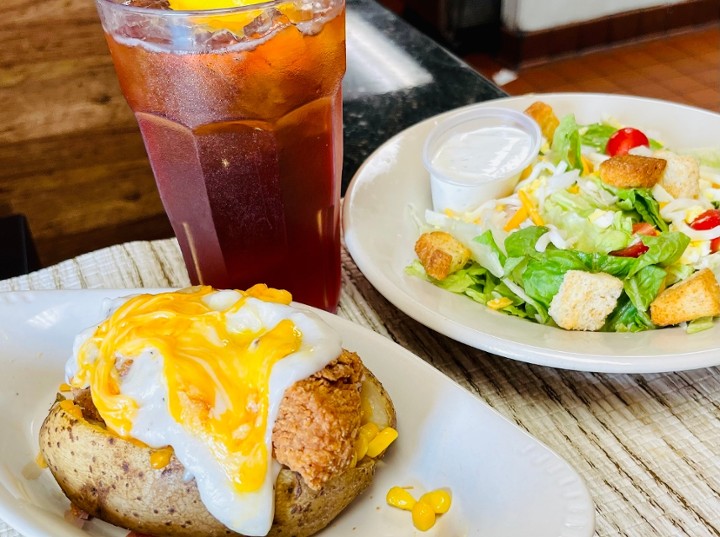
<point>596,135</point>
<point>664,250</point>
<point>566,143</point>
<point>641,201</point>
<point>643,287</point>
<point>643,276</point>
<point>627,318</point>
<point>489,250</point>
<point>544,274</point>
<point>522,242</point>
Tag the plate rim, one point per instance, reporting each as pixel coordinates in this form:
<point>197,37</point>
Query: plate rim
<point>455,329</point>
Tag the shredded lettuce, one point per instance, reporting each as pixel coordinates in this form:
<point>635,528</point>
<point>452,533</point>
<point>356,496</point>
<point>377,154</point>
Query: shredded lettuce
<point>708,157</point>
<point>698,325</point>
<point>572,213</point>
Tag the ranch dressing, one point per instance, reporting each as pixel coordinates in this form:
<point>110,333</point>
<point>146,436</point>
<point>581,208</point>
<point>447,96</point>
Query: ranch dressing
<point>477,154</point>
<point>483,154</point>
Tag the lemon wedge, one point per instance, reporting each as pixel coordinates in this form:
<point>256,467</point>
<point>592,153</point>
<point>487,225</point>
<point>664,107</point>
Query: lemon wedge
<point>234,22</point>
<point>198,5</point>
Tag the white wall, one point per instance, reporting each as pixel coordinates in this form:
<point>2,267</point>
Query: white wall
<point>532,15</point>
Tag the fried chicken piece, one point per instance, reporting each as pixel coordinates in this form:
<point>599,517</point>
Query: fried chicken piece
<point>318,421</point>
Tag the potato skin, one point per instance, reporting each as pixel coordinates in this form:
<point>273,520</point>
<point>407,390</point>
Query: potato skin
<point>112,479</point>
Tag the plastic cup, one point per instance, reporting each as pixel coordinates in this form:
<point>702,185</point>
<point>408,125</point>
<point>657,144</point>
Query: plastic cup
<point>240,110</point>
<point>477,154</point>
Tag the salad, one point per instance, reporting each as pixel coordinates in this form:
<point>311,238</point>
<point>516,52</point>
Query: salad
<point>607,230</point>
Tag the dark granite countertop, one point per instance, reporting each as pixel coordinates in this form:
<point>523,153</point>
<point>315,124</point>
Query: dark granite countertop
<point>397,76</point>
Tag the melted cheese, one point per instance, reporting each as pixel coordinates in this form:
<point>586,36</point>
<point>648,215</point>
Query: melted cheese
<point>204,371</point>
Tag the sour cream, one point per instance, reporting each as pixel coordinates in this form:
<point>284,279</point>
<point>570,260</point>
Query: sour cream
<point>477,155</point>
<point>204,372</point>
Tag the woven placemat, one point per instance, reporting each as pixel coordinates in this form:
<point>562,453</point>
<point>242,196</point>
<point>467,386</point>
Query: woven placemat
<point>648,446</point>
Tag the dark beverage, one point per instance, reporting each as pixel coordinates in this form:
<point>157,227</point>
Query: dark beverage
<point>241,115</point>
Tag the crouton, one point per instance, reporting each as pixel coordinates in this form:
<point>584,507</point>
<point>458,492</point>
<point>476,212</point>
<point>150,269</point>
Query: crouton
<point>632,171</point>
<point>544,116</point>
<point>681,177</point>
<point>441,254</point>
<point>585,299</point>
<point>695,297</point>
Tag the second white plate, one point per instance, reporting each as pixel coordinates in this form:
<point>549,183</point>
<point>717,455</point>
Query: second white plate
<point>392,187</point>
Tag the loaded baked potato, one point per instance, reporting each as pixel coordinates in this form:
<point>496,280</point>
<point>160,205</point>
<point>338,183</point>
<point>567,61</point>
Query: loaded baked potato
<point>316,437</point>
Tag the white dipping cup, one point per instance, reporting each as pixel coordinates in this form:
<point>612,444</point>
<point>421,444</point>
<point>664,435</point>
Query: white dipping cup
<point>477,178</point>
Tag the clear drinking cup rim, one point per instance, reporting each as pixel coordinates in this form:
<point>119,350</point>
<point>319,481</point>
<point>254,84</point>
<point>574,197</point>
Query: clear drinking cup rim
<point>192,12</point>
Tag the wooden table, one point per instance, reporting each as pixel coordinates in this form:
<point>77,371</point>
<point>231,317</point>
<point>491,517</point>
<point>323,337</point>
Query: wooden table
<point>71,158</point>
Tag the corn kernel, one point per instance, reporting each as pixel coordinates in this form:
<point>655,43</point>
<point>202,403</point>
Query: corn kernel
<point>380,443</point>
<point>499,303</point>
<point>423,516</point>
<point>369,431</point>
<point>361,448</point>
<point>439,500</point>
<point>400,498</point>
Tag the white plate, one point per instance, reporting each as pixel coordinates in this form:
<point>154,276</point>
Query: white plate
<point>504,482</point>
<point>380,232</point>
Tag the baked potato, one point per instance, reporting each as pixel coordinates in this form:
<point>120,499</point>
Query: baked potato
<point>114,479</point>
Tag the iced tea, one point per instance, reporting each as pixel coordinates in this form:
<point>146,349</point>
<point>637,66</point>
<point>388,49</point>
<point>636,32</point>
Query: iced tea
<point>241,114</point>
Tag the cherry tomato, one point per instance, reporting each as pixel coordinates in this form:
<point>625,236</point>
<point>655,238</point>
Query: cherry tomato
<point>623,140</point>
<point>643,228</point>
<point>715,244</point>
<point>637,249</point>
<point>707,220</point>
<point>634,250</point>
